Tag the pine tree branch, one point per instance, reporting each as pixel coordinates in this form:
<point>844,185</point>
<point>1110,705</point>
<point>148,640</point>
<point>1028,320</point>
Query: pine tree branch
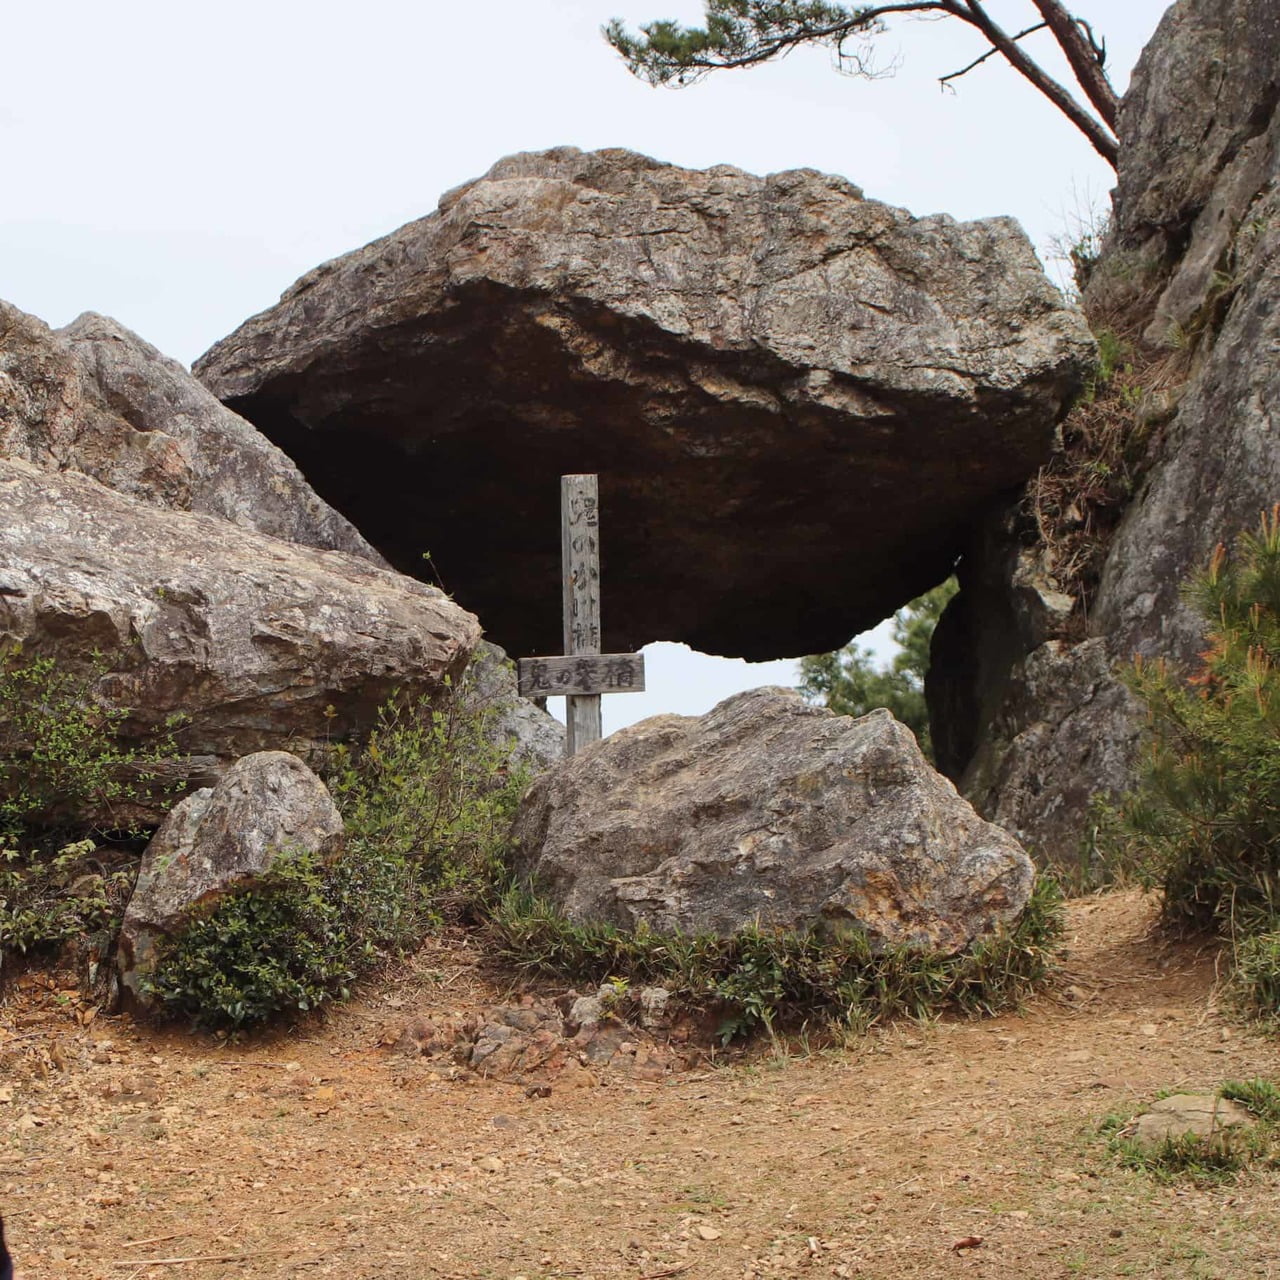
<point>745,33</point>
<point>990,53</point>
<point>1100,138</point>
<point>1085,57</point>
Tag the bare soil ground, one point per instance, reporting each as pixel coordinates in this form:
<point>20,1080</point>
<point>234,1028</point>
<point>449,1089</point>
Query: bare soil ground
<point>131,1153</point>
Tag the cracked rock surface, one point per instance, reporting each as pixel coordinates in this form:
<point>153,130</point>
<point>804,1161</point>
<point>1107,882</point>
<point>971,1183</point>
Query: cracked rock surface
<point>796,398</point>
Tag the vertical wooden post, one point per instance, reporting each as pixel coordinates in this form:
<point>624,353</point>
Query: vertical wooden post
<point>580,564</point>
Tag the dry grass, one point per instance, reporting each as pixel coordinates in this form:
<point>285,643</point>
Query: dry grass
<point>1108,440</point>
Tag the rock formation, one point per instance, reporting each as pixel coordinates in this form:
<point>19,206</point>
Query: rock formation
<point>255,641</point>
<point>770,810</point>
<point>1031,719</point>
<point>797,399</point>
<point>268,807</point>
<point>537,740</point>
<point>97,399</point>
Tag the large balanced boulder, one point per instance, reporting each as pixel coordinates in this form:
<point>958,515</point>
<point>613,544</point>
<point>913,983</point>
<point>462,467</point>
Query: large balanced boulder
<point>267,808</point>
<point>796,398</point>
<point>97,399</point>
<point>1030,717</point>
<point>255,642</point>
<point>768,810</point>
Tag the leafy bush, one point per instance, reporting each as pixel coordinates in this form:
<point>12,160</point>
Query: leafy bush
<point>60,755</point>
<point>428,802</point>
<point>1204,821</point>
<point>61,759</point>
<point>298,939</point>
<point>435,789</point>
<point>760,976</point>
<point>1255,983</point>
<point>47,901</point>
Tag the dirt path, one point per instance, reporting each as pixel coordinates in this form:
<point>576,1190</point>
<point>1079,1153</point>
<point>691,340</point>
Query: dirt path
<point>325,1155</point>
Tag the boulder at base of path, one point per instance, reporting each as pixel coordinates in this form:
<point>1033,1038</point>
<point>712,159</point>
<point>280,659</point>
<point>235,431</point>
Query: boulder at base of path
<point>268,806</point>
<point>769,810</point>
<point>1198,1115</point>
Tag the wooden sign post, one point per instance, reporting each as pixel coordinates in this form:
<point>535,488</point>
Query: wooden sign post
<point>584,673</point>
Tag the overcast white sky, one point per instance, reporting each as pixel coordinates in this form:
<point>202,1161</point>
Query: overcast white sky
<point>177,166</point>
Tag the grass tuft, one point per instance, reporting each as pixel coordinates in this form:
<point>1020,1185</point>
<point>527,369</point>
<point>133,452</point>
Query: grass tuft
<point>761,978</point>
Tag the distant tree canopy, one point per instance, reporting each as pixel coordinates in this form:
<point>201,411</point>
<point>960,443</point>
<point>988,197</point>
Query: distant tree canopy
<point>744,33</point>
<point>851,684</point>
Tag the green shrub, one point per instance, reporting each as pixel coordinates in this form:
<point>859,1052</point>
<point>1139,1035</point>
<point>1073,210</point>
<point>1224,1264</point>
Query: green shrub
<point>51,900</point>
<point>427,802</point>
<point>1255,982</point>
<point>60,760</point>
<point>60,754</point>
<point>435,788</point>
<point>298,939</point>
<point>1204,821</point>
<point>760,976</point>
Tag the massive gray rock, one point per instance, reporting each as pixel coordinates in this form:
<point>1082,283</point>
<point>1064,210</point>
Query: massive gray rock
<point>796,398</point>
<point>773,811</point>
<point>1033,721</point>
<point>97,399</point>
<point>257,642</point>
<point>267,808</point>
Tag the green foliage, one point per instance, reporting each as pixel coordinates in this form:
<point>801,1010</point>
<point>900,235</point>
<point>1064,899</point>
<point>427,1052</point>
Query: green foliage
<point>46,901</point>
<point>435,789</point>
<point>851,684</point>
<point>760,976</point>
<point>60,755</point>
<point>428,802</point>
<point>1207,1160</point>
<point>60,759</point>
<point>298,939</point>
<point>745,33</point>
<point>1204,822</point>
<point>1255,982</point>
<point>737,33</point>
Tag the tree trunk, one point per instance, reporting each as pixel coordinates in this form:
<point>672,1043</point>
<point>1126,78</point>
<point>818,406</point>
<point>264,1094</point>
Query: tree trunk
<point>1088,71</point>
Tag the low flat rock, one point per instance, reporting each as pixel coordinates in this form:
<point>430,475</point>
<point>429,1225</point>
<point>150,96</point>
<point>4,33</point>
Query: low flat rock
<point>1200,1115</point>
<point>767,809</point>
<point>796,398</point>
<point>258,643</point>
<point>268,807</point>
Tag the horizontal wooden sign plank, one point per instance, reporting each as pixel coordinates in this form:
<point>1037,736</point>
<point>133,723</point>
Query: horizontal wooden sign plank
<point>582,675</point>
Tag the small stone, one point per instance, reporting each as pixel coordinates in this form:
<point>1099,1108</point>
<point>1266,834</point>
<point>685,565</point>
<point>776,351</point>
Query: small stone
<point>490,1164</point>
<point>1203,1115</point>
<point>706,1232</point>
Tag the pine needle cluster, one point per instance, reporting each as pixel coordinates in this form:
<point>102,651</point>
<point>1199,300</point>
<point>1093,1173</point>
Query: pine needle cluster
<point>1204,823</point>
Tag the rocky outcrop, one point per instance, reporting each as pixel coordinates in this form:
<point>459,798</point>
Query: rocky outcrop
<point>1190,273</point>
<point>268,807</point>
<point>536,740</point>
<point>769,810</point>
<point>97,399</point>
<point>254,642</point>
<point>770,375</point>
